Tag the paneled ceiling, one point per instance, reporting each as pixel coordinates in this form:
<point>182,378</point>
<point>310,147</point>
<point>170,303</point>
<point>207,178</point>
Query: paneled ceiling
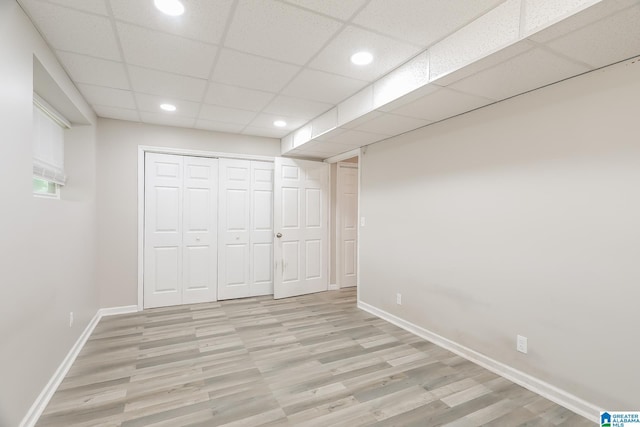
<point>240,65</point>
<point>237,65</point>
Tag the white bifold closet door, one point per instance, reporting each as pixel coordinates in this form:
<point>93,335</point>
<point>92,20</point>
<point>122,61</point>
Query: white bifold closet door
<point>180,230</point>
<point>245,251</point>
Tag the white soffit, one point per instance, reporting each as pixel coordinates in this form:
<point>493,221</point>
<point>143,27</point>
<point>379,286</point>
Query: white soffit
<point>518,46</point>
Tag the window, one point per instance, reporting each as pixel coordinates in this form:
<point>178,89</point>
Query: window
<point>48,149</point>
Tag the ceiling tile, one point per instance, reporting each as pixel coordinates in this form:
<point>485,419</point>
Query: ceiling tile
<point>101,72</point>
<point>151,104</point>
<point>165,52</point>
<point>237,97</point>
<point>296,107</point>
<point>323,87</point>
<point>607,41</point>
<point>69,30</point>
<point>266,120</point>
<point>336,8</point>
<point>253,72</point>
<point>324,123</point>
<point>514,76</point>
<point>166,120</point>
<point>93,6</point>
<point>392,124</point>
<point>218,126</point>
<point>354,137</point>
<point>267,132</point>
<point>540,13</point>
<point>116,113</point>
<point>227,115</point>
<point>325,147</point>
<point>387,52</point>
<point>279,31</point>
<point>442,104</point>
<point>419,93</point>
<point>170,85</point>
<point>422,22</point>
<point>107,97</point>
<point>202,20</point>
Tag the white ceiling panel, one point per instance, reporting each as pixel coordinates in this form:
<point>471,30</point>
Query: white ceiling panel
<point>387,52</point>
<point>167,120</point>
<point>539,13</point>
<point>340,9</point>
<point>441,104</point>
<point>266,120</point>
<point>253,72</point>
<point>323,87</point>
<point>93,6</point>
<point>606,41</point>
<point>237,97</point>
<point>422,22</point>
<point>107,97</point>
<point>392,124</point>
<point>203,20</point>
<point>218,126</point>
<point>226,115</point>
<point>169,85</point>
<point>355,137</point>
<point>266,29</point>
<point>101,72</point>
<point>74,31</point>
<point>513,77</point>
<point>270,132</point>
<point>296,107</point>
<point>165,52</point>
<point>151,104</point>
<point>116,113</point>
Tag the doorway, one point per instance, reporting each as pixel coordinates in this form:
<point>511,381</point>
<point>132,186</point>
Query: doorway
<point>345,223</point>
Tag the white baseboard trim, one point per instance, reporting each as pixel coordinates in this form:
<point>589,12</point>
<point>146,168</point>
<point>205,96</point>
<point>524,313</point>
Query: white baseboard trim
<point>333,287</point>
<point>112,311</point>
<point>41,402</point>
<point>544,389</point>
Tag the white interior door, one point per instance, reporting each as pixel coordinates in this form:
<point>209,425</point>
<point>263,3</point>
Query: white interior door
<point>301,226</point>
<point>245,229</point>
<point>180,244</point>
<point>347,224</point>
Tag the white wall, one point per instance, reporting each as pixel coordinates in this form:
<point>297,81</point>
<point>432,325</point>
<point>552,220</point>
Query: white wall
<point>118,143</point>
<point>519,218</point>
<point>47,247</point>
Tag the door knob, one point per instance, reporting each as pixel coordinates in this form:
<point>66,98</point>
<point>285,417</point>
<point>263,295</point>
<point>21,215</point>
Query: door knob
<point>279,235</point>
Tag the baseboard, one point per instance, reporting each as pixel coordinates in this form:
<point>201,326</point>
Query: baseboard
<point>41,402</point>
<point>112,311</point>
<point>333,287</point>
<point>544,389</point>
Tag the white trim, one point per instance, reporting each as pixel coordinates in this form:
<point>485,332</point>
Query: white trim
<point>333,287</point>
<point>142,149</point>
<point>47,392</point>
<point>344,156</point>
<point>41,402</point>
<point>113,311</point>
<point>544,389</point>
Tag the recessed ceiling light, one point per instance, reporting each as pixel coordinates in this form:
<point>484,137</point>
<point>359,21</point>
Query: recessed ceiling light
<point>170,7</point>
<point>362,58</point>
<point>280,123</point>
<point>168,107</point>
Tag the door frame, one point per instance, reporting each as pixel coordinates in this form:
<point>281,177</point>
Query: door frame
<point>142,150</point>
<point>359,153</point>
<point>338,236</point>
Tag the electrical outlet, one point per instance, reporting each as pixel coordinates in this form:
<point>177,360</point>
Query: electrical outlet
<point>521,344</point>
<point>399,298</point>
<point>362,221</point>
<point>71,319</point>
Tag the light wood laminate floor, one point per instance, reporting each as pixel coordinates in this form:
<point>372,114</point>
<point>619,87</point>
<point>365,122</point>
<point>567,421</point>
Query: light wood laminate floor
<point>315,360</point>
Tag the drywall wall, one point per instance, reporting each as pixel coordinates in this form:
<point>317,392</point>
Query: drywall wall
<point>519,218</point>
<point>118,143</point>
<point>48,247</point>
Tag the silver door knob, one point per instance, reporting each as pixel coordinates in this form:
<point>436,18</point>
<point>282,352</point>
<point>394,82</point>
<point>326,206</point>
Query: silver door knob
<point>279,235</point>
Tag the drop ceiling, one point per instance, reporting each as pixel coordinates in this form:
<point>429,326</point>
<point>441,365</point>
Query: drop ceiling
<point>238,65</point>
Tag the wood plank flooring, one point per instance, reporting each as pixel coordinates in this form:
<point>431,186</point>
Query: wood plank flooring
<point>314,360</point>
